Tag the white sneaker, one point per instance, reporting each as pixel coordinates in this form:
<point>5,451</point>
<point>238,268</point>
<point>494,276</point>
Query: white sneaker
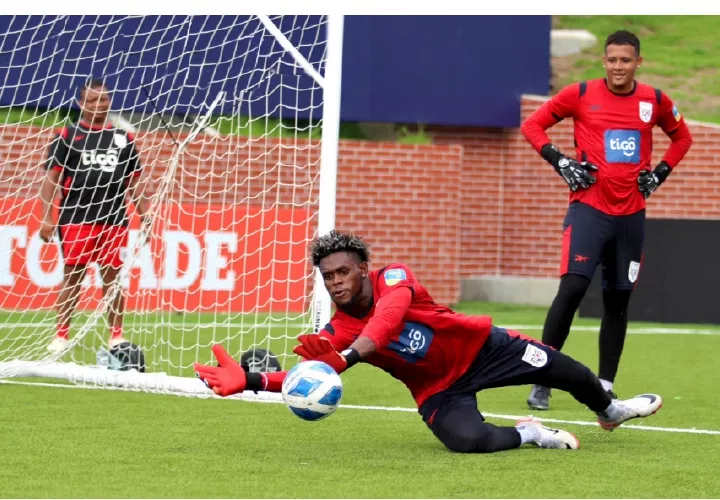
<point>58,344</point>
<point>640,406</point>
<point>116,341</point>
<point>550,438</point>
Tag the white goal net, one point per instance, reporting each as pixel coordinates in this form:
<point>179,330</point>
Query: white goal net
<point>233,117</point>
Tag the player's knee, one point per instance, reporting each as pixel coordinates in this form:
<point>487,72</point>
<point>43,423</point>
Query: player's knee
<point>571,373</point>
<point>616,301</point>
<point>464,440</point>
<point>573,287</point>
<point>476,439</point>
<point>585,375</point>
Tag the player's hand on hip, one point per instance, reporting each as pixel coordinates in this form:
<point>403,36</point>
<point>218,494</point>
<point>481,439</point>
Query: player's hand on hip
<point>313,347</point>
<point>46,231</point>
<point>576,174</point>
<point>227,378</point>
<point>649,181</point>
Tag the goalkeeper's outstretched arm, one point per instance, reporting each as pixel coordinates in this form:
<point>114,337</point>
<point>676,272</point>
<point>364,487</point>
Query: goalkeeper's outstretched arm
<point>377,334</point>
<point>265,381</point>
<point>230,378</point>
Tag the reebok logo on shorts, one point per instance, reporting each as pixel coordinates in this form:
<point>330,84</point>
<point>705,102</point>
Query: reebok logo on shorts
<point>535,356</point>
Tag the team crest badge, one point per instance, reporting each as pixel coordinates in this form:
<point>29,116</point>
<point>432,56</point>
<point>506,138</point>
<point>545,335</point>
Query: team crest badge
<point>633,271</point>
<point>535,356</point>
<point>120,140</point>
<point>646,109</point>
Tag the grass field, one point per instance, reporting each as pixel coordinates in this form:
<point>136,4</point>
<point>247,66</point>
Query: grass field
<point>83,443</point>
<point>681,56</point>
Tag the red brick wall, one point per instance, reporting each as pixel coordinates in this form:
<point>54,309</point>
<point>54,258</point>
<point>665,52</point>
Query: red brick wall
<point>513,203</point>
<point>477,202</point>
<point>402,198</point>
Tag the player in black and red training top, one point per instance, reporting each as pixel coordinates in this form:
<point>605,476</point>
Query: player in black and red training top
<point>95,165</point>
<point>609,178</point>
<point>386,318</point>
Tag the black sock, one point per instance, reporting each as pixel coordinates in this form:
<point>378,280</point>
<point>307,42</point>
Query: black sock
<point>612,331</point>
<point>562,311</point>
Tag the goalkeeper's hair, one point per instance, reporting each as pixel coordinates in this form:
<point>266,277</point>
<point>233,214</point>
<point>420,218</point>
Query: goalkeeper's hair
<point>623,37</point>
<point>92,83</point>
<point>336,241</point>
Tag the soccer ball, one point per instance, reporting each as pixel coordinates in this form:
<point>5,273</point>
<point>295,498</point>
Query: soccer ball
<point>312,390</point>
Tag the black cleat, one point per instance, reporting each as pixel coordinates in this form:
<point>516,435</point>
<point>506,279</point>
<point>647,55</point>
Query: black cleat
<point>539,398</point>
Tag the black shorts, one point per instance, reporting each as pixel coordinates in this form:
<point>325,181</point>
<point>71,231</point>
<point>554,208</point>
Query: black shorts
<point>507,358</point>
<point>591,237</point>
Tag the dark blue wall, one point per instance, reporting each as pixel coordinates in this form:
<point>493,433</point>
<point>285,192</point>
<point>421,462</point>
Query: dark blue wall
<point>447,70</point>
<point>451,70</point>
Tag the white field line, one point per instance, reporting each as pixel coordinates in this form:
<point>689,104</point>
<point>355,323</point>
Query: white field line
<point>280,324</point>
<point>413,410</point>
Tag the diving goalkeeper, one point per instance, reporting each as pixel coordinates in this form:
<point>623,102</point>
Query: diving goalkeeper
<point>386,318</point>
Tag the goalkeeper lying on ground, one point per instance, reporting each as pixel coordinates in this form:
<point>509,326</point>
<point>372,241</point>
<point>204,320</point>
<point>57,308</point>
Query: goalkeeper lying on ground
<point>387,318</point>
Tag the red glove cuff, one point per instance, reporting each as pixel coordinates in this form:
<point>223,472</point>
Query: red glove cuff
<point>273,381</point>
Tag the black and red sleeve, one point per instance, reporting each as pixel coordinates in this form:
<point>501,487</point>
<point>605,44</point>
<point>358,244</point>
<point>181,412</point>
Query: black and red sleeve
<point>134,167</point>
<point>58,151</point>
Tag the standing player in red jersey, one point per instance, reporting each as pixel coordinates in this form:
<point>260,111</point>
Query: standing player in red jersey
<point>96,165</point>
<point>605,222</point>
<point>386,318</point>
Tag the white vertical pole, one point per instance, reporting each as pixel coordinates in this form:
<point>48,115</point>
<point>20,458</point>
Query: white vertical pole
<point>329,155</point>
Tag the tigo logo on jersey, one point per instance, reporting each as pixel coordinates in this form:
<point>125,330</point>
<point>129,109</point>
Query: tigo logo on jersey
<point>622,146</point>
<point>106,161</point>
<point>394,276</point>
<point>413,342</point>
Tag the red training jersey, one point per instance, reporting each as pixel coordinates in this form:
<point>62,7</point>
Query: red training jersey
<point>613,132</point>
<point>429,349</point>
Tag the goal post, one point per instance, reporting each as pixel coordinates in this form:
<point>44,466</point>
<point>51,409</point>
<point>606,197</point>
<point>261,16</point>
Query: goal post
<point>329,157</point>
<point>236,120</point>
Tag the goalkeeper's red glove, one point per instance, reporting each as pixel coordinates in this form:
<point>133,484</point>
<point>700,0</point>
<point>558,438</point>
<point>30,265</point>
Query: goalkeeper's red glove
<point>227,378</point>
<point>316,348</point>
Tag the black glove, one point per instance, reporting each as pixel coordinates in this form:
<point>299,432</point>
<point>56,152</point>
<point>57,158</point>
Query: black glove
<point>575,173</point>
<point>649,181</point>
